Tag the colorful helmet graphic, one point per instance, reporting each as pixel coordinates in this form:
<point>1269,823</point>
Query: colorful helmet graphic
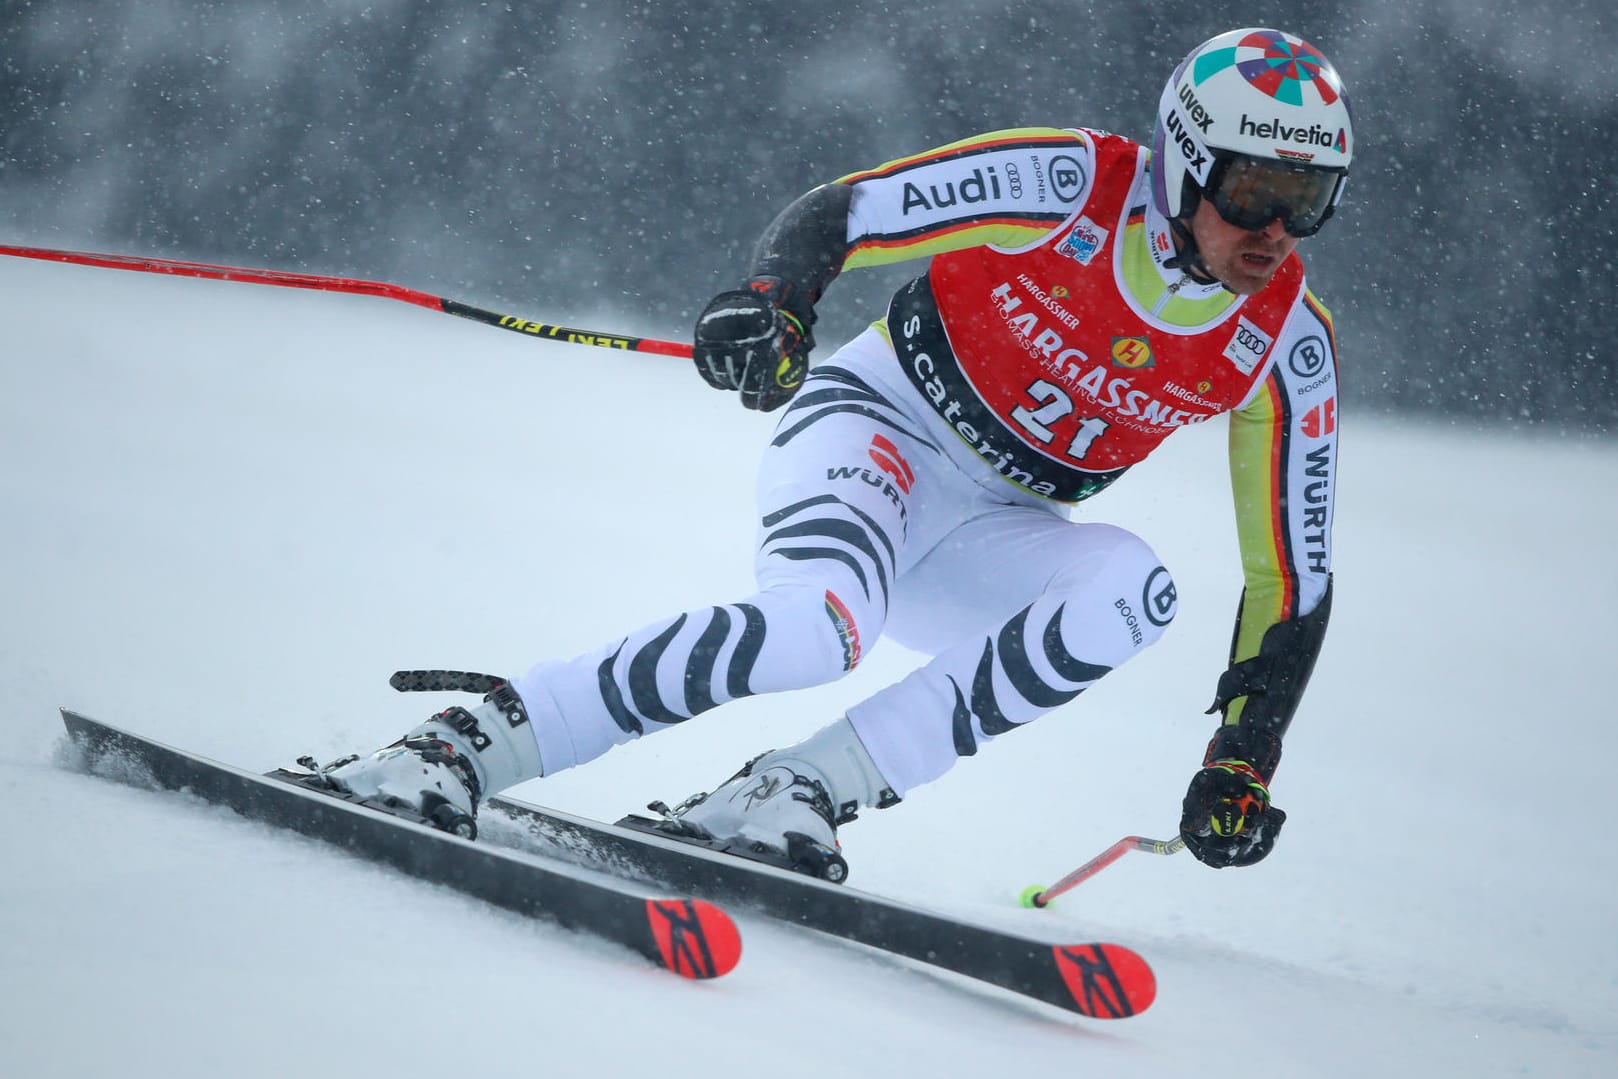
<point>1257,122</point>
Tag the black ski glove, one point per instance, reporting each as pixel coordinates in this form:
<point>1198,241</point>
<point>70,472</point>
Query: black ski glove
<point>1226,818</point>
<point>749,340</point>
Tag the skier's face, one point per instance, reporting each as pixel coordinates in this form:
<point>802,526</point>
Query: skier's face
<point>1243,260</point>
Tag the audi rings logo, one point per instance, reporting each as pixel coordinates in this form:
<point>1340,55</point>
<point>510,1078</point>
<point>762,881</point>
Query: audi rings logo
<point>1308,357</point>
<point>1067,177</point>
<point>1159,599</point>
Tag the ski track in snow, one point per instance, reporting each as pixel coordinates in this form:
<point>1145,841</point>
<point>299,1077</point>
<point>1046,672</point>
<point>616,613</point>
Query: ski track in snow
<point>232,511</point>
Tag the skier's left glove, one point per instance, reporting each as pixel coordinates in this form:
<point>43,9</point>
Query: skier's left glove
<point>756,341</point>
<point>1227,818</point>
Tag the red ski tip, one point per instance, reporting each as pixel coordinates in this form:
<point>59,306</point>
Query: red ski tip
<point>1106,981</point>
<point>695,939</point>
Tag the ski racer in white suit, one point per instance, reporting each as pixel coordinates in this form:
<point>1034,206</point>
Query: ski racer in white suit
<point>1085,297</point>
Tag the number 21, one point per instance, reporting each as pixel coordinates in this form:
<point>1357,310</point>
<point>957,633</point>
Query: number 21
<point>1052,404</point>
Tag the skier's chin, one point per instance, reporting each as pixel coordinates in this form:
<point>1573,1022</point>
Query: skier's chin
<point>1248,274</point>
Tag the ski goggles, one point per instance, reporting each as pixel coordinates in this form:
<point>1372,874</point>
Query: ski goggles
<point>1250,192</point>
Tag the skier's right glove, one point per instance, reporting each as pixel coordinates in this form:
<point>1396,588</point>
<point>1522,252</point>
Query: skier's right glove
<point>1226,818</point>
<point>748,340</point>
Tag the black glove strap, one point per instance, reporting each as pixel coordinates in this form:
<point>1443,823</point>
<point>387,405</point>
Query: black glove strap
<point>1257,746</point>
<point>1243,679</point>
<point>1273,681</point>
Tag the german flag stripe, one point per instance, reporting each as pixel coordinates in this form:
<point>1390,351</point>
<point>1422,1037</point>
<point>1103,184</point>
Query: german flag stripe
<point>998,140</point>
<point>918,243</point>
<point>1033,224</point>
<point>1258,477</point>
<point>1281,434</point>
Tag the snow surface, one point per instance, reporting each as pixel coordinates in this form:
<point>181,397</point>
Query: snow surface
<point>231,511</point>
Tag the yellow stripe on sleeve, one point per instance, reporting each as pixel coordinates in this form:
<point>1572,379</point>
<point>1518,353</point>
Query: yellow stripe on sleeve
<point>1256,458</point>
<point>1008,138</point>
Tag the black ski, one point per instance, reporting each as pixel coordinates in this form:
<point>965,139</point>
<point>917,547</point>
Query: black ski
<point>1100,980</point>
<point>690,937</point>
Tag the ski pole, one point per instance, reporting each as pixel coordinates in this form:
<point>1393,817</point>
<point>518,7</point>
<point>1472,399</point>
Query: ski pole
<point>323,283</point>
<point>1035,896</point>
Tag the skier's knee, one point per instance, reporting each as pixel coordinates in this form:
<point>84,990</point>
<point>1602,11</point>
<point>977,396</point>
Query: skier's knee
<point>1120,598</point>
<point>831,631</point>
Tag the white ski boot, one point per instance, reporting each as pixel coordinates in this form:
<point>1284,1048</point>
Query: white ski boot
<point>784,807</point>
<point>444,768</point>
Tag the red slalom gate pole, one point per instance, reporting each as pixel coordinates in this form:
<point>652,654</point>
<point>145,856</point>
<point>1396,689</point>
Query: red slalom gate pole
<point>324,283</point>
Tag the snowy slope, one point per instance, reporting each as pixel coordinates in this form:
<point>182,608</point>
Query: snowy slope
<point>231,511</point>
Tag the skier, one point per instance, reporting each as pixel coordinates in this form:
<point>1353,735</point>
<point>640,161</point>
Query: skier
<point>1085,297</point>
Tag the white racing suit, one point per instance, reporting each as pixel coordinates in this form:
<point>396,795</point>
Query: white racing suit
<point>868,527</point>
<point>916,485</point>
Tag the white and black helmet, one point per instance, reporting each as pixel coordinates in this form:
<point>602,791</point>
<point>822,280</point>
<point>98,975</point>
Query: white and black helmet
<point>1257,122</point>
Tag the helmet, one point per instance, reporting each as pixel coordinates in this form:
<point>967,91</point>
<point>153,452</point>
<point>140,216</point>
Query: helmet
<point>1257,122</point>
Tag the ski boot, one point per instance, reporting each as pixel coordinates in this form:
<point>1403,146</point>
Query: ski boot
<point>442,770</point>
<point>783,808</point>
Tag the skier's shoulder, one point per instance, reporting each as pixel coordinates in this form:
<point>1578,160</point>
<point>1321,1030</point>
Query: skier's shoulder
<point>1305,312</point>
<point>1038,143</point>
